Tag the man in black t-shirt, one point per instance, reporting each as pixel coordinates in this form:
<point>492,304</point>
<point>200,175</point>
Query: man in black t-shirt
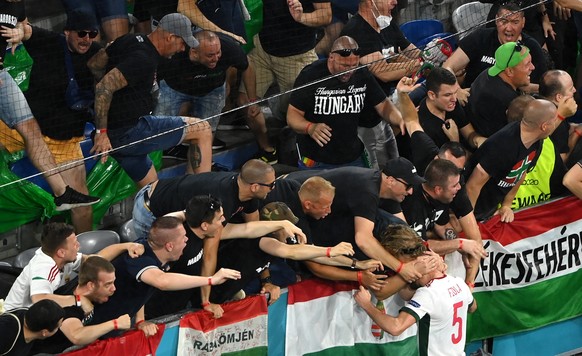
<point>499,166</point>
<point>40,321</point>
<point>197,78</point>
<point>124,102</point>
<point>327,113</point>
<point>390,56</point>
<point>96,282</point>
<point>476,51</point>
<point>497,86</point>
<point>62,122</point>
<point>441,118</point>
<point>16,113</point>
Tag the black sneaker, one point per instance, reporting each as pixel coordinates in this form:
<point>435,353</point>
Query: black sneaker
<point>73,199</point>
<point>179,152</point>
<point>238,124</point>
<point>268,157</point>
<point>218,144</point>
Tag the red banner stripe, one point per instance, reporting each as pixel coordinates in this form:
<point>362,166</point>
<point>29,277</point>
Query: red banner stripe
<point>548,216</point>
<point>234,312</point>
<point>316,288</point>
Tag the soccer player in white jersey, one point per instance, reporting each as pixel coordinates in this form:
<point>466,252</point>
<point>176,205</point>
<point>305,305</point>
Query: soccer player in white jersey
<point>440,307</point>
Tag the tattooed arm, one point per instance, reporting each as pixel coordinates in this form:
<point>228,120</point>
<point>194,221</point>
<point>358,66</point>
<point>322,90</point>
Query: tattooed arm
<point>111,82</point>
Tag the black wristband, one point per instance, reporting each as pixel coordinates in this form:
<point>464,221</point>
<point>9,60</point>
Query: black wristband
<point>354,261</point>
<point>266,280</point>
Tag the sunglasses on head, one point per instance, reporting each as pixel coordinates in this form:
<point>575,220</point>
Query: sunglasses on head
<point>347,51</point>
<point>92,33</point>
<point>518,47</point>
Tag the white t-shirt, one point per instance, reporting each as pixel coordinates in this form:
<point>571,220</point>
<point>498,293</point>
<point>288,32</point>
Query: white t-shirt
<point>40,276</point>
<point>441,308</point>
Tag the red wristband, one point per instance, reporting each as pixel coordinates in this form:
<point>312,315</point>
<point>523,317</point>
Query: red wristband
<point>139,322</point>
<point>359,274</point>
<point>100,131</point>
<point>578,133</point>
<point>460,244</point>
<point>561,118</point>
<point>114,324</point>
<point>209,281</point>
<point>399,267</point>
<point>328,252</point>
<point>205,304</point>
<point>471,285</point>
<point>77,300</point>
<point>307,127</point>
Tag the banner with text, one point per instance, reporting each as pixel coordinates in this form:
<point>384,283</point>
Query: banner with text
<point>532,275</point>
<point>242,330</point>
<point>324,319</point>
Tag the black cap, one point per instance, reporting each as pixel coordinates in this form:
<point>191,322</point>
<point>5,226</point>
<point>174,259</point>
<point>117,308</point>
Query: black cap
<point>404,169</point>
<point>80,19</point>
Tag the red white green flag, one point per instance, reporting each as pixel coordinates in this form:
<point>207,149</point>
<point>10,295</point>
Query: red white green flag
<point>324,319</point>
<point>532,276</point>
<point>242,330</point>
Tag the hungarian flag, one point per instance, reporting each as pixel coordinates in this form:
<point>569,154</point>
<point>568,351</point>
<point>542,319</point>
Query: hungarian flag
<point>242,330</point>
<point>532,275</point>
<point>133,343</point>
<point>324,319</point>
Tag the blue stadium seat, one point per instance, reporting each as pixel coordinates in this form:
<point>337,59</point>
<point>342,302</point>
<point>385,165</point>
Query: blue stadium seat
<point>417,30</point>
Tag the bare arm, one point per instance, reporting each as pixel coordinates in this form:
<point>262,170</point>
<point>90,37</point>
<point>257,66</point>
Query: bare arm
<point>82,335</point>
<point>394,326</point>
<point>254,229</point>
<point>189,9</point>
<point>304,252</point>
<point>472,232</point>
<point>110,252</point>
<point>178,281</point>
<point>390,114</point>
<point>321,16</point>
<point>369,280</point>
<point>387,72</point>
<point>209,267</point>
<point>457,61</point>
<point>570,4</point>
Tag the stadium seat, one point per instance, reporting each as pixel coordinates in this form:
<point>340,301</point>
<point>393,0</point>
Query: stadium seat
<point>95,241</point>
<point>417,30</point>
<point>126,232</point>
<point>469,17</point>
<point>3,263</point>
<point>22,259</point>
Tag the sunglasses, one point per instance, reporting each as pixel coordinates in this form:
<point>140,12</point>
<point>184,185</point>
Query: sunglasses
<point>518,47</point>
<point>270,185</point>
<point>407,185</point>
<point>92,33</point>
<point>347,51</point>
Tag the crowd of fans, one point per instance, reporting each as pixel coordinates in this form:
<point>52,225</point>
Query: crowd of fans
<point>389,171</point>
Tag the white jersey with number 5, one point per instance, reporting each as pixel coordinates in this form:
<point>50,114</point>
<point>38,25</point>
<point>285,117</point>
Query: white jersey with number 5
<point>440,308</point>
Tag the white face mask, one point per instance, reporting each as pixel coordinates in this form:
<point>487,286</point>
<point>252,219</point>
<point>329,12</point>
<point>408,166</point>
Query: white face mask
<point>383,21</point>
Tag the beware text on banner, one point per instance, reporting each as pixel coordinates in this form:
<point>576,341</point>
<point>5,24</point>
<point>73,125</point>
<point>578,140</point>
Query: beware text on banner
<point>531,275</point>
<point>324,319</point>
<point>242,328</point>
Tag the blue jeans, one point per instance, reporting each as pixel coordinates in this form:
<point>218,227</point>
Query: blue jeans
<point>103,10</point>
<point>14,108</point>
<point>207,107</point>
<point>134,158</point>
<point>142,216</point>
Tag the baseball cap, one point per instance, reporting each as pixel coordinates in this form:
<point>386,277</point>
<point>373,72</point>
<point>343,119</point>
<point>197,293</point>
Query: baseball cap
<point>278,211</point>
<point>80,19</point>
<point>506,56</point>
<point>404,169</point>
<point>179,25</point>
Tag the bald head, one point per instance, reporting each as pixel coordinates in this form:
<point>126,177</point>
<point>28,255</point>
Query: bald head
<point>205,35</point>
<point>344,42</point>
<point>517,107</point>
<point>255,170</point>
<point>538,111</point>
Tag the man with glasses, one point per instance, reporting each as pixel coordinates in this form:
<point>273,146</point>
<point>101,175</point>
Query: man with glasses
<point>124,101</point>
<point>62,122</point>
<point>326,114</point>
<point>497,86</point>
